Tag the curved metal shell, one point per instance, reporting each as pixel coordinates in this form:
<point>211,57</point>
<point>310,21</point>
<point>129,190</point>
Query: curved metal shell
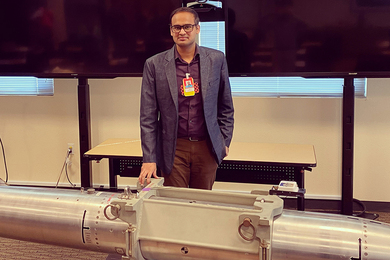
<point>60,217</point>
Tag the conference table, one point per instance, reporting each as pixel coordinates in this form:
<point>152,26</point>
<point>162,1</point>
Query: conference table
<point>262,163</point>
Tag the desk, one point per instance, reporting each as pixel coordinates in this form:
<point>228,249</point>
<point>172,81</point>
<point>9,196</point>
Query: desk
<point>246,163</point>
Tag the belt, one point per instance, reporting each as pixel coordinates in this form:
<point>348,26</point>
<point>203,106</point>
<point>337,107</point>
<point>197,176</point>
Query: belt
<point>194,138</point>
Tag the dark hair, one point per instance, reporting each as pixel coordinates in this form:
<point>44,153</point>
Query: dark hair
<point>188,10</point>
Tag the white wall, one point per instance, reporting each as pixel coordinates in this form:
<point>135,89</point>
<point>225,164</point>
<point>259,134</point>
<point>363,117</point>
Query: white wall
<point>36,130</point>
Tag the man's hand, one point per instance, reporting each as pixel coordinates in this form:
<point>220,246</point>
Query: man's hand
<point>227,151</point>
<point>147,170</point>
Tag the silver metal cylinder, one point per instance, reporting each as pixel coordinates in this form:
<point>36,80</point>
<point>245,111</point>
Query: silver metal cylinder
<point>61,217</point>
<point>76,219</point>
<point>315,236</point>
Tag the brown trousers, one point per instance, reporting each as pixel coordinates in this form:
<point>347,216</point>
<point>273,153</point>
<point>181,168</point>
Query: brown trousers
<point>194,165</point>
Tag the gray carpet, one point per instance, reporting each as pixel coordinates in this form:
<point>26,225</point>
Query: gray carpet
<point>15,249</point>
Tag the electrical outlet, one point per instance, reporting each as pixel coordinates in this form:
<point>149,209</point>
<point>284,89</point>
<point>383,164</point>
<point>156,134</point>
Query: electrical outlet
<point>71,147</point>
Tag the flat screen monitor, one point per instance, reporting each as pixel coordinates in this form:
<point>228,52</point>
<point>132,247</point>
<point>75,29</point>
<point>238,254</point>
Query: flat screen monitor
<point>319,38</point>
<point>82,38</point>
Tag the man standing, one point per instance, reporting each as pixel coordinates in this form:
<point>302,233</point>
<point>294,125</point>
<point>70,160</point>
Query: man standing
<point>186,109</point>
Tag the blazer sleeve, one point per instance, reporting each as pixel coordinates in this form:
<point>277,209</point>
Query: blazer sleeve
<point>225,105</point>
<point>149,113</point>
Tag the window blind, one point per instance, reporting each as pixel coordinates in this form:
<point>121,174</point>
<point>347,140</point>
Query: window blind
<point>26,86</point>
<point>212,35</point>
<point>293,87</point>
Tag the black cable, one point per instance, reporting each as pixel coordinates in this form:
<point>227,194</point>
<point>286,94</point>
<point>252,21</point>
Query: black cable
<point>363,213</point>
<point>5,162</point>
<point>361,204</point>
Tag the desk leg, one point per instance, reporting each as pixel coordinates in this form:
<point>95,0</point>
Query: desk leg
<point>299,173</point>
<point>83,97</point>
<point>113,181</point>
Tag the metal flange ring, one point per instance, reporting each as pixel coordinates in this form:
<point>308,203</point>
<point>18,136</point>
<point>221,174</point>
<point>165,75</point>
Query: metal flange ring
<point>247,223</point>
<point>116,211</point>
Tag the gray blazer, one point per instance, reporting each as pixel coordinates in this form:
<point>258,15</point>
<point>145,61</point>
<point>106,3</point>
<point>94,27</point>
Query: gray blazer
<point>159,106</point>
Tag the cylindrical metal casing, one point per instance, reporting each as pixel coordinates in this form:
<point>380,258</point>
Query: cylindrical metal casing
<point>76,219</point>
<point>315,236</point>
<point>61,217</point>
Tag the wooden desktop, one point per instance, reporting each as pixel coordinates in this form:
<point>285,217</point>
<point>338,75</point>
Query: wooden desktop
<point>247,162</point>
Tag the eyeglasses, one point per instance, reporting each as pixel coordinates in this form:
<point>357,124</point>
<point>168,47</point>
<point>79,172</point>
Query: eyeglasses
<point>187,28</point>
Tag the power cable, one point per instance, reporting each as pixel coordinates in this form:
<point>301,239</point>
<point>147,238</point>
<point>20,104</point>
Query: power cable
<point>361,204</point>
<point>363,212</point>
<point>65,166</point>
<point>66,173</point>
<point>5,162</point>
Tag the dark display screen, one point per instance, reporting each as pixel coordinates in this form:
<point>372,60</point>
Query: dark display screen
<point>111,38</point>
<point>309,37</point>
<point>92,38</point>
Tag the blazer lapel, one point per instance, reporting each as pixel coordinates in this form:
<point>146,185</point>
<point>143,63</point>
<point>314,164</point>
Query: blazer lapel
<point>204,71</point>
<point>170,72</point>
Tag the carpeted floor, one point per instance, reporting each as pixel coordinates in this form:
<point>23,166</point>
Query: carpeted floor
<point>383,217</point>
<point>15,249</point>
